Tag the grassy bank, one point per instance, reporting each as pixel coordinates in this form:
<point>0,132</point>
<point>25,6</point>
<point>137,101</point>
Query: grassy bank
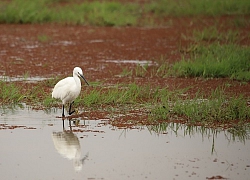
<point>113,13</point>
<point>206,60</point>
<point>158,104</point>
<point>216,61</point>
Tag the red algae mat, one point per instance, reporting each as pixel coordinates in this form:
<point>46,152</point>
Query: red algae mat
<point>50,50</point>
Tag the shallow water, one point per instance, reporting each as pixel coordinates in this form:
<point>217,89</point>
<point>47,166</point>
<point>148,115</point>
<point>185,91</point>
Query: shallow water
<point>34,146</point>
<point>21,78</point>
<point>139,62</point>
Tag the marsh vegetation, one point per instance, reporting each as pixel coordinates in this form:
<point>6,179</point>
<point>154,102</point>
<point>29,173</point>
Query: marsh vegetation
<point>114,13</point>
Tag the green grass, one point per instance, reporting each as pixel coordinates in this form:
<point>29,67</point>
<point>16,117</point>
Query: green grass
<point>117,95</point>
<point>217,108</point>
<point>10,93</point>
<point>197,7</point>
<point>207,60</point>
<point>159,103</point>
<point>91,13</point>
<point>141,70</point>
<point>212,34</point>
<point>111,13</point>
<point>51,81</point>
<point>43,38</point>
<point>126,72</point>
<point>163,68</point>
<point>241,22</point>
<point>26,11</point>
<point>215,61</point>
<point>138,71</point>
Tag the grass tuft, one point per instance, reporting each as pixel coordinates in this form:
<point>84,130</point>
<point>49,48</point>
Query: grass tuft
<point>10,93</point>
<point>218,108</point>
<point>197,7</point>
<point>212,34</point>
<point>215,60</point>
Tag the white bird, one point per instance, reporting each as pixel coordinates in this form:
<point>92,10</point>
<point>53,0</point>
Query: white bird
<point>68,89</point>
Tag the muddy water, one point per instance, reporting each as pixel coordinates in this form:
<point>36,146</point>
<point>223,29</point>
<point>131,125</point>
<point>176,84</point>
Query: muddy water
<point>34,145</point>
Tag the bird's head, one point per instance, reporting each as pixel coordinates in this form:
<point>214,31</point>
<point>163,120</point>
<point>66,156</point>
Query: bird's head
<point>78,71</point>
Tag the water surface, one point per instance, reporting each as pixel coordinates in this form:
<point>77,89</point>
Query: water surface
<point>34,145</point>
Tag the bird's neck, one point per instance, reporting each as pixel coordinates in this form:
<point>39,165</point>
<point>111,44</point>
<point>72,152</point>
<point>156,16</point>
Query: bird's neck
<point>77,80</point>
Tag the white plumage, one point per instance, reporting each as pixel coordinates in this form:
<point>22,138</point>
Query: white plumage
<point>68,89</point>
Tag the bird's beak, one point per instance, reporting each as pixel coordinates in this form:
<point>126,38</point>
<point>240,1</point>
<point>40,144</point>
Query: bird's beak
<point>83,78</point>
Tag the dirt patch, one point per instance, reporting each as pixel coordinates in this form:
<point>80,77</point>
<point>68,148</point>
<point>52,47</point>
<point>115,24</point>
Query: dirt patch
<point>54,50</point>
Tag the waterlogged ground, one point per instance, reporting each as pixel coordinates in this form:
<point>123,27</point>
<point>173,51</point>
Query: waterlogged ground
<point>106,53</point>
<point>35,145</point>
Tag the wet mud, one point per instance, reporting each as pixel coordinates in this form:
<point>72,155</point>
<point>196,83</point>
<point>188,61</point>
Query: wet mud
<point>50,50</point>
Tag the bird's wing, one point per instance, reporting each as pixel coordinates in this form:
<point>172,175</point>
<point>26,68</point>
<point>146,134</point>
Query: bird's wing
<point>62,88</point>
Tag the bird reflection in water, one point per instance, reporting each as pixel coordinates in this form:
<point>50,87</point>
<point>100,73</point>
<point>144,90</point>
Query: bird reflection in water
<point>68,146</point>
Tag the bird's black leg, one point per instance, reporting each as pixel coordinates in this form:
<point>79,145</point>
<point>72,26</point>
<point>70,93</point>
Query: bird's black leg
<point>63,125</point>
<point>71,112</point>
<point>63,111</point>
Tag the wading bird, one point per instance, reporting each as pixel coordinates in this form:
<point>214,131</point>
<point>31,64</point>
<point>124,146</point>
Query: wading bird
<point>68,89</point>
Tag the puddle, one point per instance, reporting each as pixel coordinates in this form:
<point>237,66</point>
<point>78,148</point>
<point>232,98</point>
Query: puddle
<point>96,41</point>
<point>140,62</point>
<point>35,146</point>
<point>22,78</point>
<point>31,46</point>
<point>64,43</point>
